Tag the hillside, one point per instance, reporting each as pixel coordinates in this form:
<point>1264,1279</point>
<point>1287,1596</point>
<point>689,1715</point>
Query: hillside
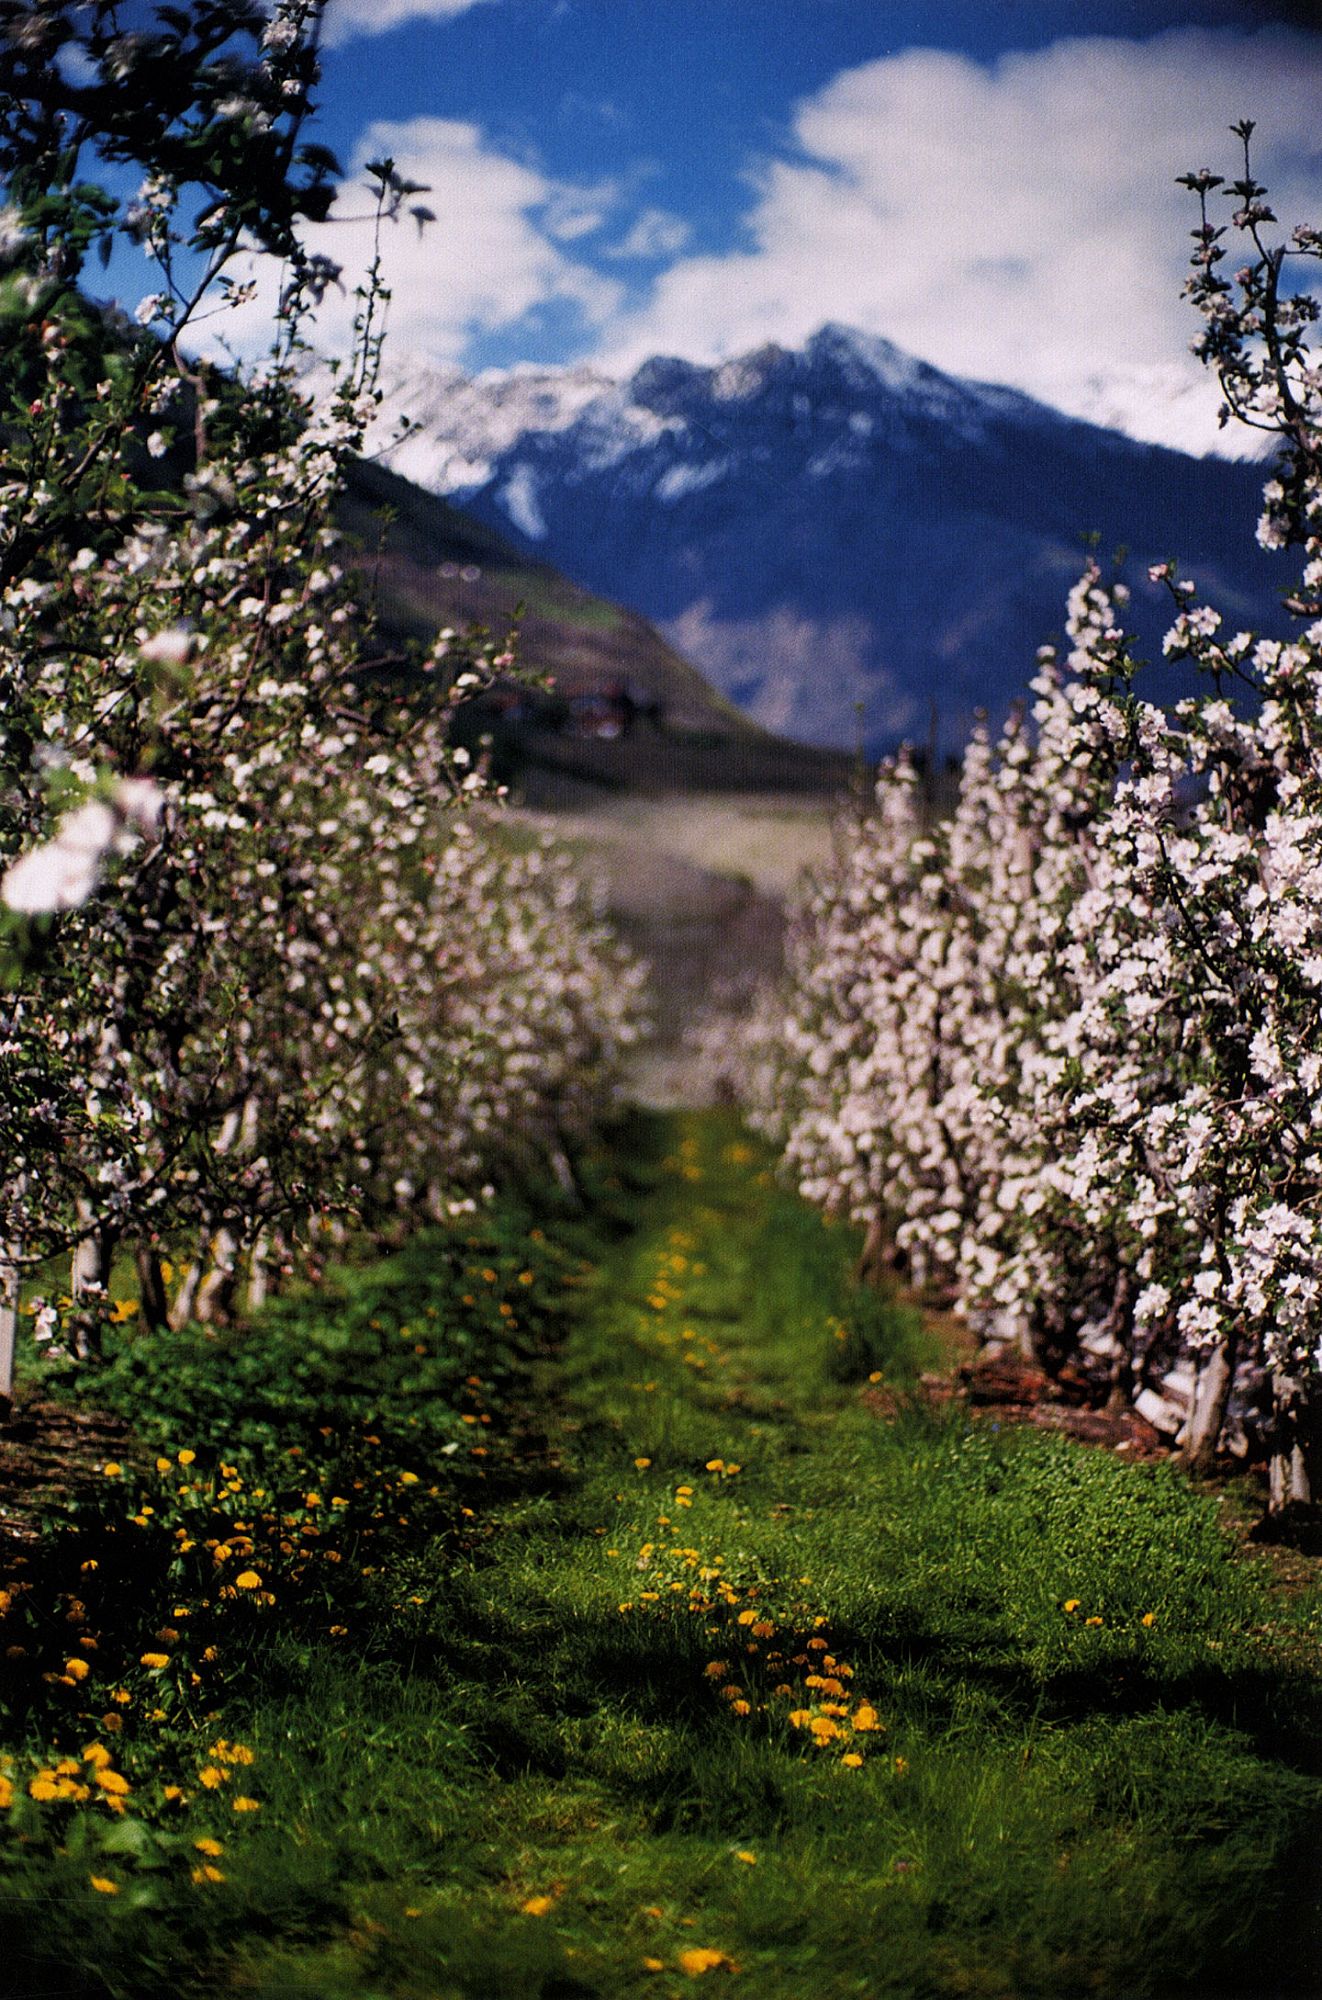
<point>433,566</point>
<point>837,530</point>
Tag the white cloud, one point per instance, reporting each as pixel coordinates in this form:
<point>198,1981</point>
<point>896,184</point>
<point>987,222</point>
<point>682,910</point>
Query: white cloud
<point>1018,223</point>
<point>573,212</point>
<point>481,266</point>
<point>346,20</point>
<point>655,233</point>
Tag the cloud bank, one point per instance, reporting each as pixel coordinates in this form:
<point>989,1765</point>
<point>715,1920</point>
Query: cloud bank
<point>1017,223</point>
<point>496,252</point>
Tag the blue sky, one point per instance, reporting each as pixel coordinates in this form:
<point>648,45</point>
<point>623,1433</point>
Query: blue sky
<point>990,185</point>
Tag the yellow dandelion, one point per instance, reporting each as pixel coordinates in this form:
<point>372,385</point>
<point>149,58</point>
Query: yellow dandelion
<point>1149,1618</point>
<point>852,1759</point>
<point>537,1906</point>
<point>207,1871</point>
<point>701,1958</point>
<point>244,1804</point>
<point>156,1660</point>
<point>111,1781</point>
<point>206,1845</point>
<point>112,1469</point>
<point>103,1885</point>
<point>77,1670</point>
<point>247,1579</point>
<point>186,1457</point>
<point>743,1854</point>
<point>211,1777</point>
<point>642,1463</point>
<point>1070,1604</point>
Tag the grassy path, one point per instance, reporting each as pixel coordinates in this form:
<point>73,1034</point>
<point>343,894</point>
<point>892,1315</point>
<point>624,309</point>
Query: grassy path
<point>734,1676</point>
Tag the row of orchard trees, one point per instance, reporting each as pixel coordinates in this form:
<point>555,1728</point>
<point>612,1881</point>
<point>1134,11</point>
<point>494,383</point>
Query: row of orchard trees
<point>268,955</point>
<point>1063,1050</point>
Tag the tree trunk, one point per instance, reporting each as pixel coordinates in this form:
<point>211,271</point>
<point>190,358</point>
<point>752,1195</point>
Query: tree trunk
<point>152,1303</point>
<point>1210,1399</point>
<point>259,1283</point>
<point>182,1309</point>
<point>216,1291</point>
<point>1119,1327</point>
<point>1289,1483</point>
<point>564,1175</point>
<point>870,1263</point>
<point>89,1279</point>
<point>92,1256</point>
<point>11,1287</point>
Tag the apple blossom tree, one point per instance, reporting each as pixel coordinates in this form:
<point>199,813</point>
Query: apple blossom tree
<point>1063,1051</point>
<point>256,972</point>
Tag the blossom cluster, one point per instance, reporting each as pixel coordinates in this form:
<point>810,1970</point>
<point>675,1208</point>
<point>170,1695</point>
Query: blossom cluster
<point>1062,1049</point>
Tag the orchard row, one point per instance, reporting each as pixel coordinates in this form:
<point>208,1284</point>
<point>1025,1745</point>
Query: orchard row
<point>1062,1050</point>
<point>272,960</point>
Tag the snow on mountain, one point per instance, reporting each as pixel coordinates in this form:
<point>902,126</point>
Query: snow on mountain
<point>833,529</point>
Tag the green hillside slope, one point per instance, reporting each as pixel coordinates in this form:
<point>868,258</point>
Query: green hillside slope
<point>432,566</point>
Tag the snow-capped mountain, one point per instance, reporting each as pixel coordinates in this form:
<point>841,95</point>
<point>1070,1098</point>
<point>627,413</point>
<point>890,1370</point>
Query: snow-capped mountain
<point>834,533</point>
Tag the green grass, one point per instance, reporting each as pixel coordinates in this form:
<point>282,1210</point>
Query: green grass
<point>518,1709</point>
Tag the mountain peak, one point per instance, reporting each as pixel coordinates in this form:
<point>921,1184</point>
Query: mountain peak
<point>831,524</point>
<point>868,356</point>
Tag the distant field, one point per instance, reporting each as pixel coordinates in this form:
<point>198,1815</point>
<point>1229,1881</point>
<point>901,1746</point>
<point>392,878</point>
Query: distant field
<point>697,885</point>
<point>768,839</point>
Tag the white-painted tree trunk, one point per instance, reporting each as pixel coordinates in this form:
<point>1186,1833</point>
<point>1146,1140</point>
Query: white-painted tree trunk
<point>1289,1483</point>
<point>259,1271</point>
<point>89,1277</point>
<point>217,1288</point>
<point>11,1288</point>
<point>1210,1398</point>
<point>181,1311</point>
